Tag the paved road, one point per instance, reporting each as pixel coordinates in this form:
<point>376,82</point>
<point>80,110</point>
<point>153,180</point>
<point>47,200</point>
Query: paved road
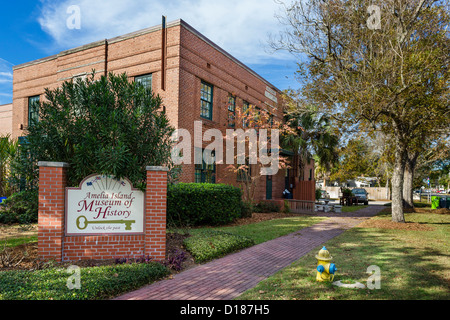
<point>228,277</point>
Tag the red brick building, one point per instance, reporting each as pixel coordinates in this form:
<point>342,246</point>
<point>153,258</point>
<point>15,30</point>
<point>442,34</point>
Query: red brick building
<point>5,119</point>
<point>194,77</point>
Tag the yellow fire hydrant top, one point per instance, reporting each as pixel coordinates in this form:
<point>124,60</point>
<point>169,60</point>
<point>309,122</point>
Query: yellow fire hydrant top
<point>324,255</point>
<point>325,269</point>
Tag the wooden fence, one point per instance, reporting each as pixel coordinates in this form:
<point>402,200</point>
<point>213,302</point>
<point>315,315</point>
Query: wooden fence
<point>305,190</point>
<point>300,206</point>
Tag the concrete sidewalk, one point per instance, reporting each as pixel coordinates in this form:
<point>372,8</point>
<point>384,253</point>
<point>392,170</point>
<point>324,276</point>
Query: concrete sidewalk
<point>228,277</point>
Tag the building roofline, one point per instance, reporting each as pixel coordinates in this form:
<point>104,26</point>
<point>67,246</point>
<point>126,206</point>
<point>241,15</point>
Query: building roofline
<point>228,55</point>
<point>142,32</point>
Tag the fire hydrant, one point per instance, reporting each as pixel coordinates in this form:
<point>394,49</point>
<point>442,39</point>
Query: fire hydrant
<point>325,269</point>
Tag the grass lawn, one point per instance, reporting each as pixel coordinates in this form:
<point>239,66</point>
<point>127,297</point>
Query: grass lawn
<point>266,230</point>
<point>352,208</point>
<point>414,264</point>
<point>12,242</point>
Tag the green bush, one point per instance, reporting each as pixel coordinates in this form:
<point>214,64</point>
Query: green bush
<point>267,207</point>
<point>210,244</point>
<point>105,126</point>
<point>96,282</point>
<point>247,208</point>
<point>8,149</point>
<point>193,204</point>
<point>21,207</point>
<point>318,193</point>
<point>286,208</point>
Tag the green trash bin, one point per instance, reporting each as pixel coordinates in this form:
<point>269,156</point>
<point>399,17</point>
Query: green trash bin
<point>434,202</point>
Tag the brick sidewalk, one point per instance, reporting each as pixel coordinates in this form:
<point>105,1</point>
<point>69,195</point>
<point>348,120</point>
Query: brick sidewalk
<point>228,277</point>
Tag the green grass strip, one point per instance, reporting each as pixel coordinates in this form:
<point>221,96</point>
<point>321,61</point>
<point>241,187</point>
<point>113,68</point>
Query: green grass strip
<point>414,265</point>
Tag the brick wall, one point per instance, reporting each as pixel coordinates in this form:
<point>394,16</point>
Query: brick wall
<point>6,119</point>
<point>191,58</point>
<point>52,182</point>
<point>54,245</point>
<point>200,59</point>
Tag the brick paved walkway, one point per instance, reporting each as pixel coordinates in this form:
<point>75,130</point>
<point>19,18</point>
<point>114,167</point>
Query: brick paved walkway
<point>228,277</point>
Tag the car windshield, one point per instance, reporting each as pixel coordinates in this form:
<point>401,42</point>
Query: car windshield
<point>359,191</point>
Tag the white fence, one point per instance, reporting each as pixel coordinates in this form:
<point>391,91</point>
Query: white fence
<point>375,193</point>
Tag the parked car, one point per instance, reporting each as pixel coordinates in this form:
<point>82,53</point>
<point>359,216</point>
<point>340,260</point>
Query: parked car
<point>361,195</point>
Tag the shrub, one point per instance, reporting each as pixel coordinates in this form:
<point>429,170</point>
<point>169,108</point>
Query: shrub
<point>8,149</point>
<point>175,260</point>
<point>318,193</point>
<point>21,207</point>
<point>247,208</point>
<point>210,244</point>
<point>105,126</point>
<point>346,192</point>
<point>192,204</point>
<point>267,207</point>
<point>96,282</point>
<point>286,207</point>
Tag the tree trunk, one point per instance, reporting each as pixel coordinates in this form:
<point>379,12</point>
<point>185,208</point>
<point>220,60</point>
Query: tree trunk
<point>408,180</point>
<point>397,184</point>
<point>388,194</point>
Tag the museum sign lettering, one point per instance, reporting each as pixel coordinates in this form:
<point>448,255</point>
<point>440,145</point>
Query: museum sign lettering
<point>104,204</point>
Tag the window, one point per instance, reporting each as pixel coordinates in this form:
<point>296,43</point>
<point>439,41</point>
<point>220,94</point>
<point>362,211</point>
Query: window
<point>231,110</point>
<point>245,111</point>
<point>33,110</point>
<point>205,173</point>
<point>82,77</point>
<point>145,80</point>
<point>206,96</point>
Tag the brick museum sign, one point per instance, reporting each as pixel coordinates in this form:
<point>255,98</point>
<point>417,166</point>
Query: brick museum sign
<point>104,204</point>
<point>104,218</point>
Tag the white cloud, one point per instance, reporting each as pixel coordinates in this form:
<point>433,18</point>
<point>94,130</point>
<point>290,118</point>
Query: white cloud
<point>238,26</point>
<point>6,79</point>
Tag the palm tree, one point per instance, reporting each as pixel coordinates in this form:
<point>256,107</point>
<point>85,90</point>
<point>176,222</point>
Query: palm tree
<point>312,136</point>
<point>8,148</point>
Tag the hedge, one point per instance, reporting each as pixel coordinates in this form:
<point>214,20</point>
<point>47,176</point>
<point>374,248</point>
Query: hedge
<point>96,282</point>
<point>206,245</point>
<point>194,204</point>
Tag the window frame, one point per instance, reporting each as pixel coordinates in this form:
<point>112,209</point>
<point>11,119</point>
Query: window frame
<point>138,79</point>
<point>205,173</point>
<point>33,111</point>
<point>245,111</point>
<point>208,103</point>
<point>231,106</point>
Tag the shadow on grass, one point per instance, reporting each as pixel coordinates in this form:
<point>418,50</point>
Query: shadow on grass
<point>413,266</point>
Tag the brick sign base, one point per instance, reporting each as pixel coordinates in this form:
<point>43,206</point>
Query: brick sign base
<point>54,245</point>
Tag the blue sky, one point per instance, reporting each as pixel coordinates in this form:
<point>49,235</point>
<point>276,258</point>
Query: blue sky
<point>35,29</point>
